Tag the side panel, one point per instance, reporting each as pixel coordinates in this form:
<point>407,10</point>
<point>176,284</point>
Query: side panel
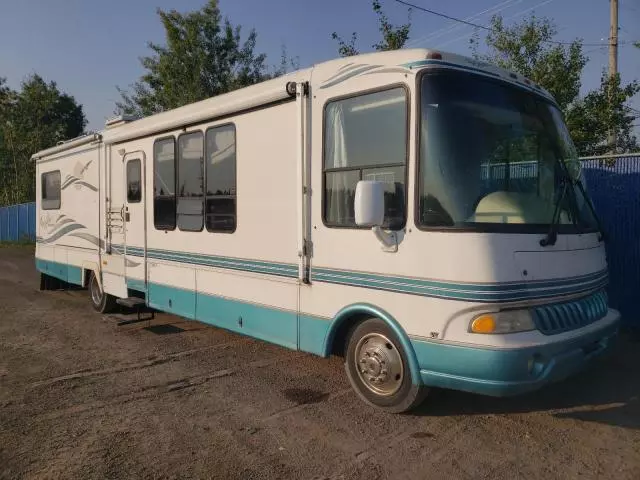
<point>68,237</point>
<point>245,280</point>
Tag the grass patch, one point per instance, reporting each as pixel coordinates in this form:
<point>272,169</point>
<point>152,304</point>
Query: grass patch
<point>18,243</point>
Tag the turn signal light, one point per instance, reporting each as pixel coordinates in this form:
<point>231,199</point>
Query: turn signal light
<point>484,324</point>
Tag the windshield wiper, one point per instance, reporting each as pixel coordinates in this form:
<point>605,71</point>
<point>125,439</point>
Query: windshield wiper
<point>552,236</point>
<point>601,234</point>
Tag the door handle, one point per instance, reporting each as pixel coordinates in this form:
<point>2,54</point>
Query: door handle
<point>127,217</point>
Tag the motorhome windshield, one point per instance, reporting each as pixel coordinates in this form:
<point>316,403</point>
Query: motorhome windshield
<point>494,157</point>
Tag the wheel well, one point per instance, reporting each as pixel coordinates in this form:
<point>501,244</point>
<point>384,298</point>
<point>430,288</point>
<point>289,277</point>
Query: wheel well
<point>341,336</point>
<point>87,277</point>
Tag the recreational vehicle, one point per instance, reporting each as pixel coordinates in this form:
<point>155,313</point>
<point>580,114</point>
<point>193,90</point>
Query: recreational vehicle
<point>420,213</point>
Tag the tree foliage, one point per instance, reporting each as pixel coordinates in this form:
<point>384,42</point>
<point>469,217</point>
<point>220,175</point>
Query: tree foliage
<point>204,56</point>
<point>36,117</point>
<point>394,37</point>
<point>589,117</point>
<point>529,48</point>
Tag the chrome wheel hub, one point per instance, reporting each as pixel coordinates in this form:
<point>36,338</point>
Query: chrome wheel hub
<point>96,293</point>
<point>379,364</point>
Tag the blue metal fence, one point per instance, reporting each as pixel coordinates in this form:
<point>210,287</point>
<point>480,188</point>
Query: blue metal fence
<point>614,185</point>
<point>18,222</point>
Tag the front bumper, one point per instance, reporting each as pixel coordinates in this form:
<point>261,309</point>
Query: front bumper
<point>503,372</point>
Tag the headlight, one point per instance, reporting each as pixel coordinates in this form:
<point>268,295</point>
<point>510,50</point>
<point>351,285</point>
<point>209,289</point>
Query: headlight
<point>508,321</point>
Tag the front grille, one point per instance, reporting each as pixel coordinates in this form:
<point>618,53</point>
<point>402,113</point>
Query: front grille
<point>562,317</point>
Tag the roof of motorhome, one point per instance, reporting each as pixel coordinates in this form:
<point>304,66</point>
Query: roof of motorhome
<point>275,90</point>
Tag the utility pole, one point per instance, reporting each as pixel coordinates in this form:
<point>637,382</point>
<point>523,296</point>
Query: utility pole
<point>613,59</point>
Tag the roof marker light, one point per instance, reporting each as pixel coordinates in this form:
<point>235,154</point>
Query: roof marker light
<point>434,56</point>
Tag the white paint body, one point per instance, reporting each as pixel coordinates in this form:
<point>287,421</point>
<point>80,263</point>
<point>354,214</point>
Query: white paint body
<point>279,220</point>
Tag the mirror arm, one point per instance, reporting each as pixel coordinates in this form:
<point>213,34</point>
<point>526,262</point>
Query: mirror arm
<point>389,240</point>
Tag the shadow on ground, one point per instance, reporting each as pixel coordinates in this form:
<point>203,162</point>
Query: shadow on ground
<point>608,392</point>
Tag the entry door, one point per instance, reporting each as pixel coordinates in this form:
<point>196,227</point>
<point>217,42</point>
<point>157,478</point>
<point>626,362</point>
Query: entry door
<point>135,221</point>
<point>360,132</point>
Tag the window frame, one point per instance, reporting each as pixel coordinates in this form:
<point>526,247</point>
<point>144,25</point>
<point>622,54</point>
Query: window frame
<point>141,193</point>
<point>516,229</point>
<point>175,182</point>
<point>177,175</point>
<point>42,199</point>
<point>206,169</point>
<point>360,93</point>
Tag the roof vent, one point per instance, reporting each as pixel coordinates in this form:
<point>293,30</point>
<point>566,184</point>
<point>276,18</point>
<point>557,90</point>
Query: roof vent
<point>119,120</point>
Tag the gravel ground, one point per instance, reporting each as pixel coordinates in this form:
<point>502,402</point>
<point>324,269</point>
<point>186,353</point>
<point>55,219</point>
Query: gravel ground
<point>86,396</point>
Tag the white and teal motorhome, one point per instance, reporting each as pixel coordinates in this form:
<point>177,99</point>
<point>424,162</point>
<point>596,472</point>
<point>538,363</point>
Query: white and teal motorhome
<point>419,213</point>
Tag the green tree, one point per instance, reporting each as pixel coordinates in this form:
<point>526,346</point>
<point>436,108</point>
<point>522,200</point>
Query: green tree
<point>530,48</point>
<point>36,117</point>
<point>204,56</point>
<point>589,117</point>
<point>526,48</point>
<point>393,37</point>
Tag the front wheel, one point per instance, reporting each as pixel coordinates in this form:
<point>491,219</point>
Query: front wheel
<point>378,370</point>
<point>102,302</point>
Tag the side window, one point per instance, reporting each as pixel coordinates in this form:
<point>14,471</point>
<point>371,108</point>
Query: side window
<point>51,190</point>
<point>365,138</point>
<point>220,203</point>
<point>190,181</point>
<point>164,184</point>
<point>134,181</point>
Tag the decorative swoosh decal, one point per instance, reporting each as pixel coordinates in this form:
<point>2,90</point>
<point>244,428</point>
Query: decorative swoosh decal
<point>63,231</point>
<point>348,75</point>
<point>354,70</point>
<point>89,238</point>
<point>345,69</point>
<point>69,179</point>
<point>76,181</point>
<point>388,70</point>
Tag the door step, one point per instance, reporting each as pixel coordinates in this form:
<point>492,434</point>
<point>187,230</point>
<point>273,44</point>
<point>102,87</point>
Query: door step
<point>138,304</point>
<point>131,302</point>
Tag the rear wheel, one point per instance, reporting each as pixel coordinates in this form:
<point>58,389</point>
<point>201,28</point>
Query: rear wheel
<point>102,302</point>
<point>378,370</point>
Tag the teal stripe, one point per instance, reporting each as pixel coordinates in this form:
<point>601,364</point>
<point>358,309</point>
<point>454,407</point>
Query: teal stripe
<point>135,284</point>
<point>499,372</point>
<point>459,286</point>
<point>313,334</point>
<point>259,321</point>
<point>463,291</point>
<point>62,271</point>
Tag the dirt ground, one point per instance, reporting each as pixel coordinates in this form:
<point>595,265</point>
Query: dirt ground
<point>87,396</point>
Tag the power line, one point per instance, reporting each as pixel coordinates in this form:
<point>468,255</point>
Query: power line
<point>517,14</point>
<point>476,25</point>
<point>451,28</point>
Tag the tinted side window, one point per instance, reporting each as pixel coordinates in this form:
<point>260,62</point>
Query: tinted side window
<point>134,181</point>
<point>164,184</point>
<point>220,204</point>
<point>365,138</point>
<point>51,190</point>
<point>190,181</point>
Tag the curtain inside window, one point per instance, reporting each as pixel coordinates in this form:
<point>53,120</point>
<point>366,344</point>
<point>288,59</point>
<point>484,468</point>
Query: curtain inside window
<point>339,191</point>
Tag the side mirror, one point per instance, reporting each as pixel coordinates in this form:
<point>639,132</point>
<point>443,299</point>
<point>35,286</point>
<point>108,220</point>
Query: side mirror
<point>369,203</point>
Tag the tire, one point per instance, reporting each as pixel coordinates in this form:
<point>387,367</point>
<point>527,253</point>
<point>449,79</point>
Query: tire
<point>378,369</point>
<point>102,302</point>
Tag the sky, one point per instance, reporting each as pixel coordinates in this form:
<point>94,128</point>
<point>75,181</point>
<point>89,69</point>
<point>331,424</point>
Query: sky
<point>88,47</point>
